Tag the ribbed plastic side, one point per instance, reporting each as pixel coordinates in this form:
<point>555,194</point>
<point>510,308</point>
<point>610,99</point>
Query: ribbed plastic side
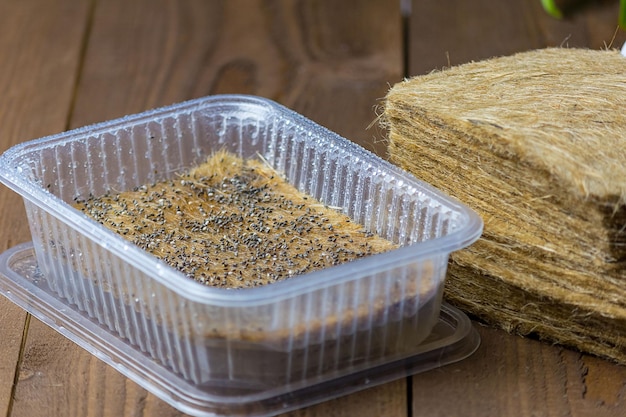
<point>371,312</point>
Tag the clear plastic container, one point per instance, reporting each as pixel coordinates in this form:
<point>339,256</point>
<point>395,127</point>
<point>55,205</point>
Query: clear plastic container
<point>452,339</point>
<point>232,343</point>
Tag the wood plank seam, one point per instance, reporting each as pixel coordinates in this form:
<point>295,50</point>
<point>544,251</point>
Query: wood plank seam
<point>409,396</point>
<point>406,10</point>
<point>18,364</point>
<point>81,61</point>
<point>406,37</point>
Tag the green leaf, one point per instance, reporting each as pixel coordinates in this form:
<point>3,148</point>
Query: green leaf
<point>552,9</point>
<point>622,14</point>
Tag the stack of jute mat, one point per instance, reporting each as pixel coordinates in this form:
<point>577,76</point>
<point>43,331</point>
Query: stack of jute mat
<point>536,143</point>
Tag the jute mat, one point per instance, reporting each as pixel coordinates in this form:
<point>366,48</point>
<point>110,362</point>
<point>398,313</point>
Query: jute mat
<point>536,144</point>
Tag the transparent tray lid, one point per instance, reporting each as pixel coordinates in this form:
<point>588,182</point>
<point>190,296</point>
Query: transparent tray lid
<point>452,339</point>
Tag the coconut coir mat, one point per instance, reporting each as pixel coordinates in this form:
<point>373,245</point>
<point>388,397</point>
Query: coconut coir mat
<point>536,144</point>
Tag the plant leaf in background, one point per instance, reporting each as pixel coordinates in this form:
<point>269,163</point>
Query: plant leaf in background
<point>553,10</point>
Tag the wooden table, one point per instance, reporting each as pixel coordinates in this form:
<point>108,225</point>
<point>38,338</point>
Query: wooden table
<point>67,63</point>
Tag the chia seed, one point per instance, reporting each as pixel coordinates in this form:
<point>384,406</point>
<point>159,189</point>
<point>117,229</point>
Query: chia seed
<point>233,223</point>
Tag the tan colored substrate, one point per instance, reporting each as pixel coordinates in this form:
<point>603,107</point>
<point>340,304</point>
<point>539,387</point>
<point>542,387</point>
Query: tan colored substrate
<point>536,144</point>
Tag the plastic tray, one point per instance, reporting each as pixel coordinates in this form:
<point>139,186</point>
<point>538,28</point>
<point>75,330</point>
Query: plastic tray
<point>453,338</point>
<point>305,330</point>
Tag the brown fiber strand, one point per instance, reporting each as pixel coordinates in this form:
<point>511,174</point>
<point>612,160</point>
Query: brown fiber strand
<point>536,144</point>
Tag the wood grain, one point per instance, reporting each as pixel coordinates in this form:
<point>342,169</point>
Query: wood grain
<point>58,378</point>
<point>331,61</point>
<point>457,31</point>
<point>511,376</point>
<point>318,57</point>
<point>385,400</point>
<point>36,84</point>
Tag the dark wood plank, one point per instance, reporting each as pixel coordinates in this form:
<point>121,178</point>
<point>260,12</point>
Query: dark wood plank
<point>457,31</point>
<point>330,60</point>
<point>58,378</point>
<point>384,400</point>
<point>40,45</point>
<point>511,376</point>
